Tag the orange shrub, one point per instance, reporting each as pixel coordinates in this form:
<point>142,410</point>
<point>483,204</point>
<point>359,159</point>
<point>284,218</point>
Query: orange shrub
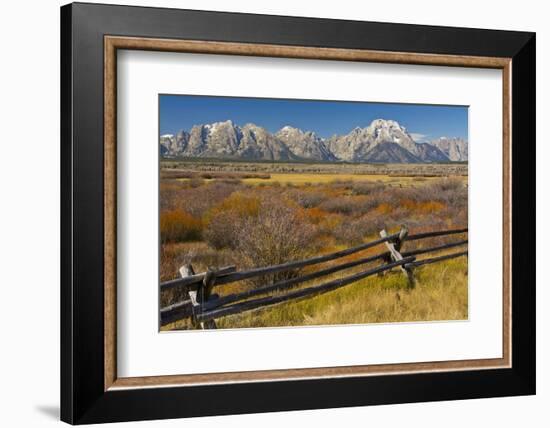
<point>177,225</point>
<point>332,221</point>
<point>238,203</point>
<point>329,223</point>
<point>312,215</point>
<point>425,207</point>
<point>222,220</point>
<point>384,208</point>
<point>409,204</point>
<point>431,207</point>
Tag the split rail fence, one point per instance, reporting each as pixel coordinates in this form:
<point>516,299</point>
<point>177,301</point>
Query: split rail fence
<point>203,306</point>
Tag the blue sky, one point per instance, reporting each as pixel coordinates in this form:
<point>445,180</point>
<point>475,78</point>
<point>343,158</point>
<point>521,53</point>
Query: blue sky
<point>325,118</point>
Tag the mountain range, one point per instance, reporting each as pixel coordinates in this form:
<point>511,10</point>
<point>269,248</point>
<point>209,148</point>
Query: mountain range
<point>383,141</point>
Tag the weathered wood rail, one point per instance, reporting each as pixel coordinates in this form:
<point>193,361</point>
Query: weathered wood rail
<point>203,306</point>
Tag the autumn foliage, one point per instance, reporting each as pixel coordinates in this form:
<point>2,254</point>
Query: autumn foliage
<point>249,225</point>
<point>177,225</point>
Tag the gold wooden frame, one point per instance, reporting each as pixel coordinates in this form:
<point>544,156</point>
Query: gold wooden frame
<point>113,43</point>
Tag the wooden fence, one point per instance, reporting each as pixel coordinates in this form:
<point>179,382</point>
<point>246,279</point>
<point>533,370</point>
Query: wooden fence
<point>203,306</point>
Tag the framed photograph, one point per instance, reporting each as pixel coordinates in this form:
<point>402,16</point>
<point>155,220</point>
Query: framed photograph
<point>266,213</point>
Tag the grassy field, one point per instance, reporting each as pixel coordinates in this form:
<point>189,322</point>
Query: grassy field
<point>252,215</point>
<point>441,293</point>
<point>300,179</point>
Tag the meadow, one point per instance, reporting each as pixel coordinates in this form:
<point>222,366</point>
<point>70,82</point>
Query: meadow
<point>253,214</point>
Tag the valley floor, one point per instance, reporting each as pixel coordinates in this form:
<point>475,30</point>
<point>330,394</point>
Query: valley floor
<point>215,214</point>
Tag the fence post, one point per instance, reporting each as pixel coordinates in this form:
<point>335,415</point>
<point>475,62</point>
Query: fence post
<point>403,233</point>
<point>394,248</point>
<point>199,296</point>
<point>185,271</point>
<point>206,292</point>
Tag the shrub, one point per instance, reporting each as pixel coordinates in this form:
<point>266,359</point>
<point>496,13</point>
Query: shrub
<point>223,218</point>
<point>426,207</point>
<point>449,190</point>
<point>199,200</point>
<point>355,231</point>
<point>349,205</point>
<point>340,204</point>
<point>174,255</point>
<point>308,199</point>
<point>220,230</point>
<point>177,226</point>
<point>313,215</point>
<point>276,235</point>
<point>168,190</point>
<point>367,188</point>
<point>349,233</point>
<point>242,204</point>
<point>384,208</point>
<point>341,184</point>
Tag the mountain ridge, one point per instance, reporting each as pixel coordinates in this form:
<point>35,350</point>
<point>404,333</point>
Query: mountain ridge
<point>383,141</point>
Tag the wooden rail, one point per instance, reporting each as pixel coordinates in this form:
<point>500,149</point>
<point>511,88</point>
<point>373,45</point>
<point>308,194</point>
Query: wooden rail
<point>434,234</point>
<point>302,293</point>
<point>204,306</point>
<point>228,274</point>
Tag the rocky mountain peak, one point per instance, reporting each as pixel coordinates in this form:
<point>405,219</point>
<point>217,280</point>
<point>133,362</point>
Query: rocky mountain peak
<point>304,144</point>
<point>386,124</point>
<point>290,130</point>
<point>383,140</point>
<point>455,148</point>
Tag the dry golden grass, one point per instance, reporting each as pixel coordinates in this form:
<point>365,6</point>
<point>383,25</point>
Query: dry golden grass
<point>441,293</point>
<point>301,179</point>
<point>304,179</point>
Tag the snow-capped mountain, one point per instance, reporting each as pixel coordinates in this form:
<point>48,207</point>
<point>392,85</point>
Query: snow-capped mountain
<point>173,145</point>
<point>383,141</point>
<point>226,140</point>
<point>304,144</point>
<point>456,149</point>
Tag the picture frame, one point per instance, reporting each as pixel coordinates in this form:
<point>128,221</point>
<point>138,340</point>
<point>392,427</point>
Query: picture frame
<point>91,390</point>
